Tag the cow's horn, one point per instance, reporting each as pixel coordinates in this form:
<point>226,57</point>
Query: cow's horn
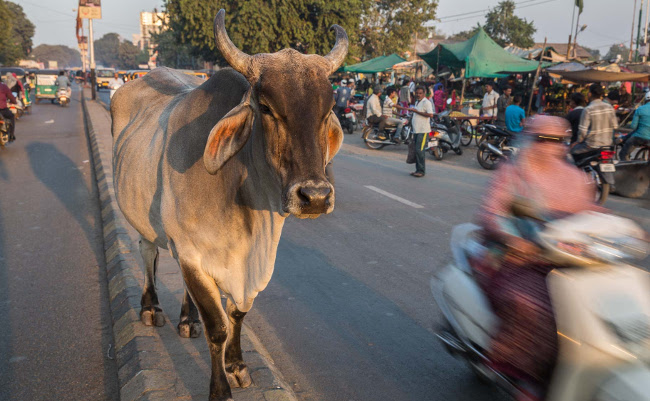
<point>340,49</point>
<point>237,59</point>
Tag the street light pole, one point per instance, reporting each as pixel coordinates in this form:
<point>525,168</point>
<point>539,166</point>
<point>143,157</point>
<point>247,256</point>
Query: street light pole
<point>645,35</point>
<point>92,58</point>
<point>629,57</point>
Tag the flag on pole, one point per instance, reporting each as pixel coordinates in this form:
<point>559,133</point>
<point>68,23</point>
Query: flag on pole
<point>580,4</point>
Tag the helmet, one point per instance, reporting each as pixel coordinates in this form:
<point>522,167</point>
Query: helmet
<point>344,82</point>
<point>547,127</point>
<point>647,97</point>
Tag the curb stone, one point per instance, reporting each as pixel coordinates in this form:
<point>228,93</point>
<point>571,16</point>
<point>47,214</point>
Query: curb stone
<point>145,369</point>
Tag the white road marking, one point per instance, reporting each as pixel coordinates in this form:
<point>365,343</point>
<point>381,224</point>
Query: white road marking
<point>395,197</point>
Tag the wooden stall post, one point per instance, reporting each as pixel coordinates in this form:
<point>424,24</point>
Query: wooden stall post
<point>532,89</point>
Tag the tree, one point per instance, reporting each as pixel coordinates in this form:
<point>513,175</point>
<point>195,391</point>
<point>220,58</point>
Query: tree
<point>107,50</point>
<point>616,50</point>
<point>261,26</point>
<point>63,55</point>
<point>23,29</point>
<point>389,26</point>
<point>127,55</point>
<point>464,35</point>
<point>595,53</point>
<point>170,53</point>
<point>504,27</point>
<point>16,33</point>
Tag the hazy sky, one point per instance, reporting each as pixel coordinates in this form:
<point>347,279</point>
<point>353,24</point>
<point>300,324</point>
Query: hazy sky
<point>608,21</point>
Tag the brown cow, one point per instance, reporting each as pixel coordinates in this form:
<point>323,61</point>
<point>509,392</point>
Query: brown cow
<point>211,170</point>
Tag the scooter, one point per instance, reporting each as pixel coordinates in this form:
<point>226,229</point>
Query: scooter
<point>62,97</point>
<point>601,305</point>
<point>348,120</point>
<point>497,146</point>
<point>444,136</point>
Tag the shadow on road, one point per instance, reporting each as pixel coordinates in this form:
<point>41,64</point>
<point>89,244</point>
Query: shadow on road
<point>67,183</point>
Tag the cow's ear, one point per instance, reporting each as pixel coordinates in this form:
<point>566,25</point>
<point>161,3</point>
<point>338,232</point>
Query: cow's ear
<point>334,136</point>
<point>228,137</point>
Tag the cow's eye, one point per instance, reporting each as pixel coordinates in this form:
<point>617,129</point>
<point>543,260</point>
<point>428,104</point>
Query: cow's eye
<point>265,109</point>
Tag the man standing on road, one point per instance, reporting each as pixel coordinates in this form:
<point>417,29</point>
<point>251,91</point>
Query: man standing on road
<point>422,113</point>
<point>489,106</point>
<point>5,94</point>
<point>502,104</point>
<point>597,124</point>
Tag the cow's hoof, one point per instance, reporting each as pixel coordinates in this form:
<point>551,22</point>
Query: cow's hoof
<point>238,375</point>
<point>187,329</point>
<point>152,316</point>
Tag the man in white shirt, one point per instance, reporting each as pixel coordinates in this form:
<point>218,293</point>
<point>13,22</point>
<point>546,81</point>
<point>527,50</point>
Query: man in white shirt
<point>374,113</point>
<point>115,83</point>
<point>421,123</point>
<point>489,106</point>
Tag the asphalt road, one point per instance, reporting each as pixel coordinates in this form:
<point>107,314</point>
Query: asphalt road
<point>348,315</point>
<point>56,327</point>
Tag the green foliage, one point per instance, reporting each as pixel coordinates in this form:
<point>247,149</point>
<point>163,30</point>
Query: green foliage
<point>464,35</point>
<point>389,26</point>
<point>504,27</point>
<point>261,26</point>
<point>16,33</point>
<point>111,52</point>
<point>63,55</point>
<point>615,50</point>
<point>171,54</point>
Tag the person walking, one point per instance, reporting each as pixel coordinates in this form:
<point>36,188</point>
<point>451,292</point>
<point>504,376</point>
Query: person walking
<point>421,123</point>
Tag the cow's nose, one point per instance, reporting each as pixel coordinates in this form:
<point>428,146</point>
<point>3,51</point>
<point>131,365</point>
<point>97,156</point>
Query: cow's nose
<point>314,195</point>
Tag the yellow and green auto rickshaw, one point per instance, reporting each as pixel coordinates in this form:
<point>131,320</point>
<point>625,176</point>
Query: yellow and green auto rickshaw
<point>46,85</point>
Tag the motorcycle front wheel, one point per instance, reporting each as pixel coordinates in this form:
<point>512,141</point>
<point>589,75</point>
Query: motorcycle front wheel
<point>487,159</point>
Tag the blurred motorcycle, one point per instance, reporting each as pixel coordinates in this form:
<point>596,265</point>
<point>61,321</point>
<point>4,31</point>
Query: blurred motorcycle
<point>601,304</point>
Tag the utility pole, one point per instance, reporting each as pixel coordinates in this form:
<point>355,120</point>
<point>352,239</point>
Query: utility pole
<point>645,35</point>
<point>568,46</point>
<point>629,57</point>
<point>539,67</point>
<point>575,37</point>
<point>638,33</point>
<point>93,81</point>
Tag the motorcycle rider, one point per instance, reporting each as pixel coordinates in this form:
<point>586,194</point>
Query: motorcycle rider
<point>512,274</point>
<point>5,94</point>
<point>115,83</point>
<point>387,111</point>
<point>62,81</point>
<point>374,113</point>
<point>640,135</point>
<point>597,125</point>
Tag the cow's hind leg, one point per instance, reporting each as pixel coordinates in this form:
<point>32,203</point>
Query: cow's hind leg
<point>189,324</point>
<point>151,313</point>
<point>205,293</point>
<point>237,371</point>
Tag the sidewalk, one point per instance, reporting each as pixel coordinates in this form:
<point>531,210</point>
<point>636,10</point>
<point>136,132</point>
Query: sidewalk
<point>155,363</point>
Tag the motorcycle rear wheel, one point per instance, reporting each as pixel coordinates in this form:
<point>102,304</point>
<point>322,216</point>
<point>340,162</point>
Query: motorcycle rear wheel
<point>372,134</point>
<point>487,160</point>
<point>436,152</point>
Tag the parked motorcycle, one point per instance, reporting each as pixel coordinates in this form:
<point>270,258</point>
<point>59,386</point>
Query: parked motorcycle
<point>497,146</point>
<point>445,136</point>
<point>601,305</point>
<point>600,167</point>
<point>377,140</point>
<point>348,120</point>
<point>62,97</point>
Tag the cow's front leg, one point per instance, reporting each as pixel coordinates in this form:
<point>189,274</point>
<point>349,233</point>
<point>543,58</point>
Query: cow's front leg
<point>151,313</point>
<point>189,324</point>
<point>237,371</point>
<point>205,293</point>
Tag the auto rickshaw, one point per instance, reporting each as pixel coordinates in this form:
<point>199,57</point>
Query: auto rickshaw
<point>46,85</point>
<point>135,74</point>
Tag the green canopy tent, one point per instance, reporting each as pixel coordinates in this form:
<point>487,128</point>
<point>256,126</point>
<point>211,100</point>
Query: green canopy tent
<point>480,56</point>
<point>377,64</point>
